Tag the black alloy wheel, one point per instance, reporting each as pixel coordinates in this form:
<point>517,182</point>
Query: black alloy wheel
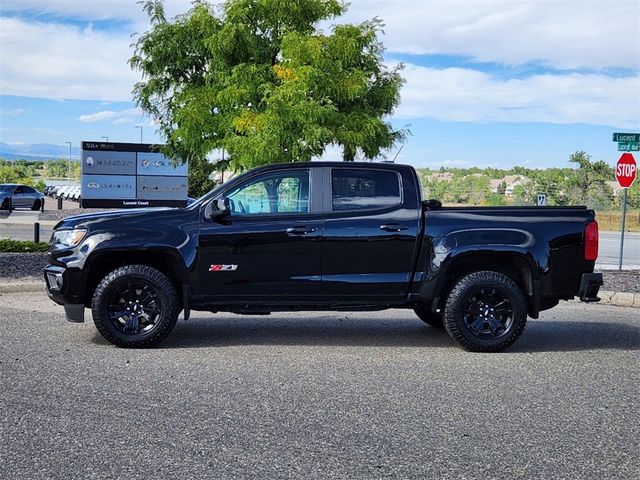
<point>485,312</point>
<point>488,313</point>
<point>135,306</point>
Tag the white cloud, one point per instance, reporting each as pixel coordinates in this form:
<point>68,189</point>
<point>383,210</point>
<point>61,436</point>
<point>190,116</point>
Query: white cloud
<point>63,61</point>
<point>128,10</point>
<point>118,118</point>
<point>562,34</point>
<point>458,94</point>
<point>98,116</point>
<point>12,113</point>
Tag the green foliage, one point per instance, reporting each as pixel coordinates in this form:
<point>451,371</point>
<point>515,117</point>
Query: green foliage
<point>588,184</point>
<point>21,246</point>
<point>60,168</point>
<point>494,200</point>
<point>257,80</point>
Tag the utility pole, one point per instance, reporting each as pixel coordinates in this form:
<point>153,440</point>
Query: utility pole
<point>140,127</point>
<point>106,139</point>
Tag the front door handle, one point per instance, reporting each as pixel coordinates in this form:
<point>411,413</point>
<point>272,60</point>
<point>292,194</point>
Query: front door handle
<point>300,230</point>
<point>393,227</point>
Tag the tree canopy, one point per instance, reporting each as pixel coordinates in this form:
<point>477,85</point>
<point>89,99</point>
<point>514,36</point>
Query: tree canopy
<point>257,80</point>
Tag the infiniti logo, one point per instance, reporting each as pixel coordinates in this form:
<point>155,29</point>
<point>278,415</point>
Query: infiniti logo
<point>93,185</point>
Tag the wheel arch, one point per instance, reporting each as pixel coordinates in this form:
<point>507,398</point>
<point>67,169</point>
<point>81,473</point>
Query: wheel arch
<point>514,265</point>
<point>99,263</point>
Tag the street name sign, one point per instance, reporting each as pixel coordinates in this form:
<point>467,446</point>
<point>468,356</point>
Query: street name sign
<point>626,137</point>
<point>629,147</point>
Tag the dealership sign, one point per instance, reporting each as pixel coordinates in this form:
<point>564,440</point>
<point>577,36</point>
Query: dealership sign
<point>130,175</point>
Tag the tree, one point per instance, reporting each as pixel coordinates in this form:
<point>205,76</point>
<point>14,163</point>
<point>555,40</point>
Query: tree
<point>589,184</point>
<point>257,80</point>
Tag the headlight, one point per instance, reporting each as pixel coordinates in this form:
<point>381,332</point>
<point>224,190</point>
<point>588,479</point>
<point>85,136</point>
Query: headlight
<point>68,238</point>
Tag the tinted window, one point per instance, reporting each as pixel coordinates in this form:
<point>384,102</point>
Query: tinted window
<point>28,190</point>
<point>20,190</point>
<point>281,192</point>
<point>354,189</point>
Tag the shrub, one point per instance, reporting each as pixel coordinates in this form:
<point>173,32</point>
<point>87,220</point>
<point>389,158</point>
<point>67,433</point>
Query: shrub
<point>21,246</point>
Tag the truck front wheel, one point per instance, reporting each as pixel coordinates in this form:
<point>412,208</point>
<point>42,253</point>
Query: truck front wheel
<point>135,306</point>
<point>485,312</point>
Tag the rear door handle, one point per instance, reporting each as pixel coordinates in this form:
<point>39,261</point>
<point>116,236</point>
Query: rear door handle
<point>300,230</point>
<point>393,227</point>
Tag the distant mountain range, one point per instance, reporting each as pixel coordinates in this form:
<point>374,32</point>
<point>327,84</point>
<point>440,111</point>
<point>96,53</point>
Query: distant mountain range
<point>37,151</point>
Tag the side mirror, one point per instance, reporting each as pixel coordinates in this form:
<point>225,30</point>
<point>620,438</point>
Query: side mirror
<point>219,208</point>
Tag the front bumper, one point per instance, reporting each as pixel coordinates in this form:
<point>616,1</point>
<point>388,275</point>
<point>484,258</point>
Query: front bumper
<point>57,281</point>
<point>589,286</point>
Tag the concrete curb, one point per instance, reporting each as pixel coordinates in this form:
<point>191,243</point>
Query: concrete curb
<point>619,299</point>
<point>22,287</point>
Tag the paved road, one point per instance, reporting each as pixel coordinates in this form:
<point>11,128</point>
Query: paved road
<point>609,253</point>
<point>326,395</point>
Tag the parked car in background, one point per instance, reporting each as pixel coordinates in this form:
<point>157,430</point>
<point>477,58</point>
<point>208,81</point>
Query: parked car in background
<point>20,196</point>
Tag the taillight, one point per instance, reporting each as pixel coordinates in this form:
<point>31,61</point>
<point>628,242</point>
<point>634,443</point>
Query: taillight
<point>591,241</point>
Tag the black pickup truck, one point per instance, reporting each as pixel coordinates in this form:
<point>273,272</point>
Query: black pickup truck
<point>323,236</point>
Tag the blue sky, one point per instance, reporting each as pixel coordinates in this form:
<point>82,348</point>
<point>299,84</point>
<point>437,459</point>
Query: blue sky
<point>492,83</point>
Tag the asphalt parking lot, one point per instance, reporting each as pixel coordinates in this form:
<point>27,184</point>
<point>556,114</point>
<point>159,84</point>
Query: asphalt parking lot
<point>322,395</point>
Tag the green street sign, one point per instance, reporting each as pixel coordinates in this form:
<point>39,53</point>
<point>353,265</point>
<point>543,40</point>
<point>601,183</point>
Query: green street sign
<point>629,147</point>
<point>626,137</point>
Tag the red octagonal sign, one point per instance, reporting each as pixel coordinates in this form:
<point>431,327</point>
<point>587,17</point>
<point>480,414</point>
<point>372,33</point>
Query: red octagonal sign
<point>626,169</point>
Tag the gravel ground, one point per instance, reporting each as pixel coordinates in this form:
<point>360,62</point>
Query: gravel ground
<point>68,212</point>
<point>624,281</point>
<point>24,266</point>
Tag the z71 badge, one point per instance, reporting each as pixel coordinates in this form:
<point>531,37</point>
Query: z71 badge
<point>223,268</point>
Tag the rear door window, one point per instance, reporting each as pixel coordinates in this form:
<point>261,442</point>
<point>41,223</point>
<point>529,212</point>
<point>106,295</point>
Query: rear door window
<point>363,189</point>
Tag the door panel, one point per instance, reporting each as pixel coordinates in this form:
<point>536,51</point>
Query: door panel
<point>269,248</point>
<point>369,243</point>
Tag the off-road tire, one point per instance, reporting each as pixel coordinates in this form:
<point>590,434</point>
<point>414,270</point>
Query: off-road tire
<point>168,304</point>
<point>460,296</point>
<point>428,316</point>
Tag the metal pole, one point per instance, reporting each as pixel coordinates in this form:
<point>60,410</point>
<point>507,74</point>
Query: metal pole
<point>69,162</point>
<point>624,217</point>
<point>106,139</point>
<point>36,232</point>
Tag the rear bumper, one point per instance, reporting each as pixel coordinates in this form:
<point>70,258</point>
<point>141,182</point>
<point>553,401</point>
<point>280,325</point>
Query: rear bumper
<point>589,286</point>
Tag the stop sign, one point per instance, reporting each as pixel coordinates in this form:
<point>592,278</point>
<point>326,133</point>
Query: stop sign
<point>626,169</point>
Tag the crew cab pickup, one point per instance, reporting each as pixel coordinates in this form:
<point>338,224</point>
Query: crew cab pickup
<point>323,236</point>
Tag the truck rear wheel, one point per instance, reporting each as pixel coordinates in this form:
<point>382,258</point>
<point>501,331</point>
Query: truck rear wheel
<point>485,312</point>
<point>428,316</point>
<point>135,306</point>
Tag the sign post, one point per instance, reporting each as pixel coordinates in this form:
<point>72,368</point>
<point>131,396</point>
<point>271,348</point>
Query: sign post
<point>626,170</point>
